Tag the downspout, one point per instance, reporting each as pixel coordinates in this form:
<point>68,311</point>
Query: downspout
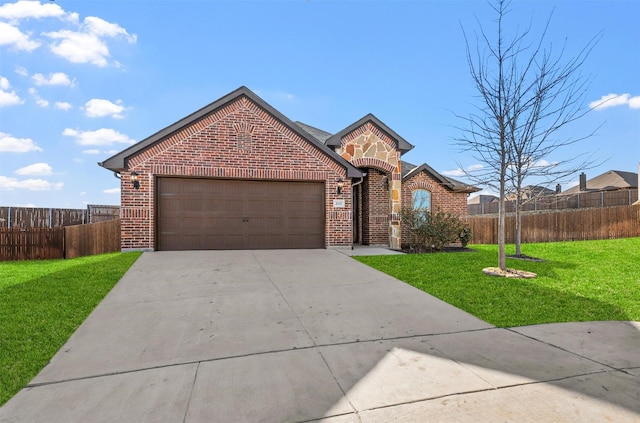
<point>361,180</point>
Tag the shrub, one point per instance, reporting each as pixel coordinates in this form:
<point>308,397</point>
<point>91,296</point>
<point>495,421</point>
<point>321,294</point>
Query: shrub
<point>465,235</point>
<point>430,230</point>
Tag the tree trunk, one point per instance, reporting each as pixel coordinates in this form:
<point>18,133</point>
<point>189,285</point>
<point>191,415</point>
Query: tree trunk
<point>502,260</point>
<point>518,226</point>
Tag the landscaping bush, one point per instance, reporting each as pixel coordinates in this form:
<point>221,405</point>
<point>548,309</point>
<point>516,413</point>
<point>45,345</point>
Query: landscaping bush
<point>465,235</point>
<point>433,230</point>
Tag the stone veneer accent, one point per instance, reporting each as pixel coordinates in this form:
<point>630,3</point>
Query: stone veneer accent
<point>369,147</point>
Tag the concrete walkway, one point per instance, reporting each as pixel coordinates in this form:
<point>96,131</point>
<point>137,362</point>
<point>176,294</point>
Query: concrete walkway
<point>313,335</point>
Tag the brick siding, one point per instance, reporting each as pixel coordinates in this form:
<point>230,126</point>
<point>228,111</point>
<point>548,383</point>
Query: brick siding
<point>239,141</point>
<point>375,207</point>
<point>441,197</point>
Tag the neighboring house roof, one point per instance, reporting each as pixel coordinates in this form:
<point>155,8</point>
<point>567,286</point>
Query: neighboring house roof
<point>482,199</point>
<point>336,139</point>
<point>531,191</point>
<point>118,162</point>
<point>408,170</point>
<point>608,181</point>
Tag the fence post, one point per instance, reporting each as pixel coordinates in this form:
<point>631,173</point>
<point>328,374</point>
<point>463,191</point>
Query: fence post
<point>9,218</point>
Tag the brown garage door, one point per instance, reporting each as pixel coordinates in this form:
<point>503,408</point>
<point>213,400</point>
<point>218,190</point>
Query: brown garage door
<point>215,214</point>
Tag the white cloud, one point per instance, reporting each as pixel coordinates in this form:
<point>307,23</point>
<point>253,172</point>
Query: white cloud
<point>613,100</point>
<point>22,71</point>
<point>63,105</point>
<point>91,151</point>
<point>8,97</point>
<point>98,107</point>
<point>12,36</point>
<point>78,47</point>
<point>11,144</point>
<point>461,172</point>
<point>454,172</point>
<point>87,44</point>
<point>100,27</point>
<point>31,9</point>
<point>10,184</point>
<point>56,78</point>
<point>112,191</point>
<point>36,169</point>
<point>39,100</point>
<point>84,42</point>
<point>101,136</point>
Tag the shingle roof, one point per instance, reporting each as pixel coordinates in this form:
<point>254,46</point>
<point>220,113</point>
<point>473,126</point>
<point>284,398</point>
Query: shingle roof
<point>610,180</point>
<point>408,170</point>
<point>118,162</point>
<point>318,134</point>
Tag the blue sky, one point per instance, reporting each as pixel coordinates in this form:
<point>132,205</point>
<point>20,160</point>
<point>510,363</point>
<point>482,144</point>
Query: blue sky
<point>83,79</point>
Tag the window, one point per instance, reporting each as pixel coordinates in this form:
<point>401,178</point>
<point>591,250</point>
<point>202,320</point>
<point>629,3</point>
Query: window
<point>421,199</point>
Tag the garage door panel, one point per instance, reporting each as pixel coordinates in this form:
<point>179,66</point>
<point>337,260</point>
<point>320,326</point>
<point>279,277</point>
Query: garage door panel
<point>235,214</point>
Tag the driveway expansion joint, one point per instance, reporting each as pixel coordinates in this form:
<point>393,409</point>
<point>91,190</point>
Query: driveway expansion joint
<point>565,350</point>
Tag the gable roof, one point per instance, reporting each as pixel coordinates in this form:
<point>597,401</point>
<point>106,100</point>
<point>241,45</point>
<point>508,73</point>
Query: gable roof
<point>409,170</point>
<point>317,133</point>
<point>610,180</point>
<point>336,139</point>
<point>118,162</point>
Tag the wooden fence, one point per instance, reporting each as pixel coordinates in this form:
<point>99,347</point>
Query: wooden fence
<point>58,243</point>
<point>583,200</point>
<point>563,225</point>
<point>32,217</point>
<point>31,244</point>
<point>91,239</point>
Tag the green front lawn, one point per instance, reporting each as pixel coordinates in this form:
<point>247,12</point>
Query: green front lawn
<point>42,303</point>
<point>579,281</point>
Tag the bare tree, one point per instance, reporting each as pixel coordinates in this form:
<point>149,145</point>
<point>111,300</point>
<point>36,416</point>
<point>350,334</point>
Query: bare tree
<point>527,94</point>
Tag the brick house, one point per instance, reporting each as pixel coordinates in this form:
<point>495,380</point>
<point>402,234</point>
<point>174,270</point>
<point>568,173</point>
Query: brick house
<point>237,174</point>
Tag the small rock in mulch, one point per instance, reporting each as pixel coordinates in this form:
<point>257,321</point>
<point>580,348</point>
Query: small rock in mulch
<point>509,273</point>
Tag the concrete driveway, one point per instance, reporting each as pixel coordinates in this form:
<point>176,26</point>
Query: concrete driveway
<point>313,335</point>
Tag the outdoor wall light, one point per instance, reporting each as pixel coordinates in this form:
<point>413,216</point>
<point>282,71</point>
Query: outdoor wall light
<point>135,180</point>
<point>340,184</point>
